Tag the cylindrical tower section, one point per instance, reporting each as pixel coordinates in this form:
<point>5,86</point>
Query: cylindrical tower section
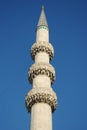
<point>42,81</point>
<point>42,57</point>
<point>41,100</point>
<point>41,117</point>
<point>42,34</point>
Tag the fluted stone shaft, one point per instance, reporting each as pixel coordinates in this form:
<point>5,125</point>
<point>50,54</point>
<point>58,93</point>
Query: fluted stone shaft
<point>41,101</point>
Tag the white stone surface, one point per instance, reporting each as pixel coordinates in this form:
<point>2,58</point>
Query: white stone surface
<point>41,113</point>
<point>41,81</point>
<point>42,57</point>
<point>41,117</point>
<point>42,35</point>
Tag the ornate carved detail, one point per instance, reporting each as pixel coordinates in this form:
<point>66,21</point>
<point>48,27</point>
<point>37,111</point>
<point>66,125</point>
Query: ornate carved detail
<point>41,69</point>
<point>42,47</point>
<point>46,95</point>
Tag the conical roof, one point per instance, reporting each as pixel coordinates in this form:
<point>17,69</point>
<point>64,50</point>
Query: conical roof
<point>42,20</point>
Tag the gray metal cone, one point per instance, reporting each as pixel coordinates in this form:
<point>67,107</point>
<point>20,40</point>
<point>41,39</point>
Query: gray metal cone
<point>42,20</point>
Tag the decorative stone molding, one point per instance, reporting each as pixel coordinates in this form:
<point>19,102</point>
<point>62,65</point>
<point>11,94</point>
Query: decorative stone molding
<point>41,69</point>
<point>41,95</point>
<point>42,47</point>
<point>43,27</point>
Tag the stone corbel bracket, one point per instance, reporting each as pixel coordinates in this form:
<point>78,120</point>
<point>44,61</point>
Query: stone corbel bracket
<point>41,69</point>
<point>38,95</point>
<point>42,47</point>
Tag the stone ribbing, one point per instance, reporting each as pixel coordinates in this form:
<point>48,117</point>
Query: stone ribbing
<point>41,95</point>
<point>41,69</point>
<point>42,47</point>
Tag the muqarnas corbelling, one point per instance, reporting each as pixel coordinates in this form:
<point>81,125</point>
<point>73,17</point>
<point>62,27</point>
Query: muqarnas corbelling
<point>42,47</point>
<point>41,69</point>
<point>41,95</point>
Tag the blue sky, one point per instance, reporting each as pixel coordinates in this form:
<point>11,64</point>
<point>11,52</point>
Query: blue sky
<point>67,20</point>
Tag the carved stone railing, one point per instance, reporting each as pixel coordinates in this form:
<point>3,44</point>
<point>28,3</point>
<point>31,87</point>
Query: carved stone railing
<point>41,69</point>
<point>38,95</point>
<point>42,47</point>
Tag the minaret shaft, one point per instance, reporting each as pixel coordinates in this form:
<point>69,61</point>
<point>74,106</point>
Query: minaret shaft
<point>42,57</point>
<point>41,81</point>
<point>42,34</point>
<point>41,100</point>
<point>41,117</point>
<point>41,114</point>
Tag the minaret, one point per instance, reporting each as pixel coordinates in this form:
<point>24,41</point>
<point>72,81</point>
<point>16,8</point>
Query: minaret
<point>41,100</point>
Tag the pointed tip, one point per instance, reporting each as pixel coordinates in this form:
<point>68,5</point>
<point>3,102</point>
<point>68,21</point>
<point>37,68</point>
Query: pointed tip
<point>42,7</point>
<point>42,20</point>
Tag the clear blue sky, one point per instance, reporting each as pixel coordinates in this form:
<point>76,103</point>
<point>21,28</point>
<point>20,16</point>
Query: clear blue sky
<point>67,20</point>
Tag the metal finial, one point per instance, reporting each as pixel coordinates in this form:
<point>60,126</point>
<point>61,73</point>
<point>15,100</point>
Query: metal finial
<point>42,7</point>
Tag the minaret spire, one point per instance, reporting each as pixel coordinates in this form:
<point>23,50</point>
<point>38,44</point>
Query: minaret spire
<point>42,20</point>
<point>41,100</point>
